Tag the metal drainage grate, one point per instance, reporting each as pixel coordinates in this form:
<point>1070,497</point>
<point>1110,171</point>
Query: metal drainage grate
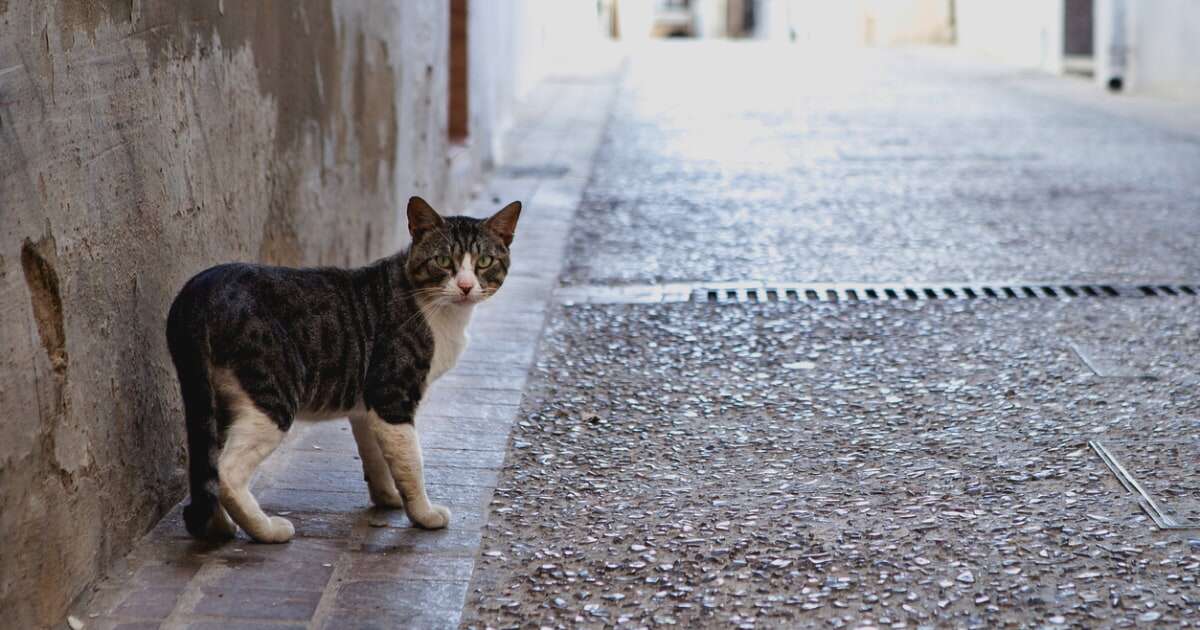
<point>533,171</point>
<point>753,292</point>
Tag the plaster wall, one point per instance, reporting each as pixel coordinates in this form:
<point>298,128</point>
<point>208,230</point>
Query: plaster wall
<point>142,141</point>
<point>853,23</point>
<point>1025,33</point>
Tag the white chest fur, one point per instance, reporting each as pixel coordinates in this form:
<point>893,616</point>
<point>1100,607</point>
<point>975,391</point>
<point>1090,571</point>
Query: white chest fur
<point>449,327</point>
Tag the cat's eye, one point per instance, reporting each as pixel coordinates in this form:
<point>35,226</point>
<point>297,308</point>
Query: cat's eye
<point>443,261</point>
<point>484,262</point>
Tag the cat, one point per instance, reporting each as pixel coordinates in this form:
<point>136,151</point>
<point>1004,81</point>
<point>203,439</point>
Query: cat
<point>256,347</point>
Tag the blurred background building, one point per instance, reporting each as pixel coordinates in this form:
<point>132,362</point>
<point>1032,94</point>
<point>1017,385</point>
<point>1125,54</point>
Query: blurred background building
<point>1140,47</point>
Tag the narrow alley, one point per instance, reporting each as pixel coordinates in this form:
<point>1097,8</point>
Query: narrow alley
<point>893,463</point>
<point>778,463</point>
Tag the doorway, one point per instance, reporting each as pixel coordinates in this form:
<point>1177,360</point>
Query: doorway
<point>459,120</point>
<point>1078,53</point>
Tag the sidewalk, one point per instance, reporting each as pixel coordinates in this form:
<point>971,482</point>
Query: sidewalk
<point>350,566</point>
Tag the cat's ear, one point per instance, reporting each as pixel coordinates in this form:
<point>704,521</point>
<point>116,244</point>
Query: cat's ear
<point>422,217</point>
<point>504,223</point>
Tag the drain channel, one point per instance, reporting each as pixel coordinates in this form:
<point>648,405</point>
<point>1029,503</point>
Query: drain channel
<point>533,171</point>
<point>754,292</point>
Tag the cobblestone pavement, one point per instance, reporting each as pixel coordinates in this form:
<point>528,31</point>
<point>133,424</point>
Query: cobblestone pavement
<point>731,162</point>
<point>791,465</point>
<point>875,464</point>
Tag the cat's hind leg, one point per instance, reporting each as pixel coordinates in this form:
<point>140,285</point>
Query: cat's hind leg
<point>252,436</point>
<point>375,468</point>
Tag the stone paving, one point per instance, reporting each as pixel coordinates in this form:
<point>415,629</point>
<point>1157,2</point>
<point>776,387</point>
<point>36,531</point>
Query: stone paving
<point>838,465</point>
<point>351,566</point>
<point>743,162</point>
<point>882,464</point>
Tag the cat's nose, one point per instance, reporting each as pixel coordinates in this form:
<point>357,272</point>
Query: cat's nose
<point>465,287</point>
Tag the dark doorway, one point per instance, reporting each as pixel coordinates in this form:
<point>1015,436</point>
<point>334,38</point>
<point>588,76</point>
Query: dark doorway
<point>1077,36</point>
<point>739,18</point>
<point>459,123</point>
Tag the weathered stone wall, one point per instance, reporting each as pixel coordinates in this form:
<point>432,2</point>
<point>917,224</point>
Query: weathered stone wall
<point>140,142</point>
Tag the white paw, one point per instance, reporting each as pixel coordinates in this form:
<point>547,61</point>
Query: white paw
<point>386,499</point>
<point>436,517</point>
<point>281,530</point>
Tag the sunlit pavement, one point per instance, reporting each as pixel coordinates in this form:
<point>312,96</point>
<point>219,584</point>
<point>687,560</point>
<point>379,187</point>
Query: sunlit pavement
<point>736,161</point>
<point>902,464</point>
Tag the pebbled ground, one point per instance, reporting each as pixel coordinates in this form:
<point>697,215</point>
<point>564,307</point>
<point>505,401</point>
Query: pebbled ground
<point>742,161</point>
<point>903,465</point>
<point>860,465</point>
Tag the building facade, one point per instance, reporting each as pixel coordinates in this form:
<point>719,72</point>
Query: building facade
<point>1126,45</point>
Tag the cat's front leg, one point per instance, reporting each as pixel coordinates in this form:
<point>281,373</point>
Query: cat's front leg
<point>375,468</point>
<point>401,449</point>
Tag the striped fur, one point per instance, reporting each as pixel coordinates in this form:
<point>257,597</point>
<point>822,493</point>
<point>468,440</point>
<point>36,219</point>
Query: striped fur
<point>259,346</point>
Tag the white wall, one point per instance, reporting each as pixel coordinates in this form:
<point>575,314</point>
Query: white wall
<point>710,18</point>
<point>1026,33</point>
<point>855,22</point>
<point>815,23</point>
<point>1162,46</point>
<point>513,45</point>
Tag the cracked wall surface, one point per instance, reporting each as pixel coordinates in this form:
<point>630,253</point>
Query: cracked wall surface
<point>142,141</point>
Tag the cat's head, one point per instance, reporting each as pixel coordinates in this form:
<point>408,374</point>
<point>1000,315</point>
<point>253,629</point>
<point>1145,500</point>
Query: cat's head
<point>458,260</point>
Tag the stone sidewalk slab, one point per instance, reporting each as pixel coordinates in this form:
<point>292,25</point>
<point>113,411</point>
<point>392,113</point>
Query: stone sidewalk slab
<point>350,565</point>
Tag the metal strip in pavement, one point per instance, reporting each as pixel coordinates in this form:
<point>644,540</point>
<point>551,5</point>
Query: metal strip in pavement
<point>1160,517</point>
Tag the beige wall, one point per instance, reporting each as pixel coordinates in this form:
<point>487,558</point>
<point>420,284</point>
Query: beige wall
<point>901,22</point>
<point>140,142</point>
<point>856,22</point>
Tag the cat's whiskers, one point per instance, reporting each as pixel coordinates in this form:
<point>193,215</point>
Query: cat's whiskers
<point>422,306</point>
<point>422,292</point>
<point>436,306</point>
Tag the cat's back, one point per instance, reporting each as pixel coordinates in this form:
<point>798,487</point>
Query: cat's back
<point>234,284</point>
<point>228,296</point>
<point>237,286</point>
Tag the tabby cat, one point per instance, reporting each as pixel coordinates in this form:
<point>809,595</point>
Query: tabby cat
<point>256,347</point>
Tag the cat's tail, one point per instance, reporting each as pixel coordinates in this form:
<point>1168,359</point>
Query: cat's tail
<point>188,345</point>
